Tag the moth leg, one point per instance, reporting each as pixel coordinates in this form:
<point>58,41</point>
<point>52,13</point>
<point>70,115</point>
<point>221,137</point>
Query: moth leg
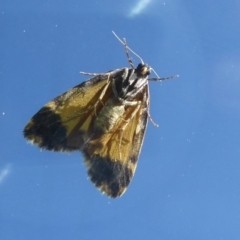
<point>122,129</point>
<point>102,94</point>
<point>129,103</point>
<point>92,74</point>
<point>149,116</point>
<point>97,102</point>
<point>102,74</point>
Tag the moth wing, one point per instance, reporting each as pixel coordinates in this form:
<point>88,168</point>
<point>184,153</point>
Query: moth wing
<point>65,123</point>
<point>112,158</point>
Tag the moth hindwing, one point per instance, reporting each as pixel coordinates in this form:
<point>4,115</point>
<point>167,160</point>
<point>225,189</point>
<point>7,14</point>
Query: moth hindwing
<point>105,118</point>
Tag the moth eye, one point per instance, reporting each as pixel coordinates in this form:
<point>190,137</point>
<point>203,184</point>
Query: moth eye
<point>145,70</point>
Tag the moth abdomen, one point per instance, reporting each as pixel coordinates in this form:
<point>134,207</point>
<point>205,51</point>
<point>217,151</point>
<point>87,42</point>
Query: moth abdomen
<point>108,116</point>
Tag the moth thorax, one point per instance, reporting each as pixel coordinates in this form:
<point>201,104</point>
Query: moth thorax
<point>108,116</point>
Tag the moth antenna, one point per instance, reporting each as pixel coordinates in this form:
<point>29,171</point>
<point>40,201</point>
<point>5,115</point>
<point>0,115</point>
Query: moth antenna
<point>162,79</point>
<point>155,72</point>
<point>125,44</point>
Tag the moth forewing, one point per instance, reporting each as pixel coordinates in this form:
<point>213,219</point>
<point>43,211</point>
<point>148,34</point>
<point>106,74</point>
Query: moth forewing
<point>65,123</point>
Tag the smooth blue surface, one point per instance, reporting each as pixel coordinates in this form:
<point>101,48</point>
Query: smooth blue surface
<point>187,184</point>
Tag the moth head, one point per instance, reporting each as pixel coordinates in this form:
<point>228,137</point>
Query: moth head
<point>143,70</point>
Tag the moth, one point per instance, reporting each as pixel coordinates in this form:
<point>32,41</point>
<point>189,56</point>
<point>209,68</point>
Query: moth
<point>105,118</point>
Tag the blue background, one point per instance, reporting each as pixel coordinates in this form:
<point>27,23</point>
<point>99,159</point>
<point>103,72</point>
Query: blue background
<point>187,184</point>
